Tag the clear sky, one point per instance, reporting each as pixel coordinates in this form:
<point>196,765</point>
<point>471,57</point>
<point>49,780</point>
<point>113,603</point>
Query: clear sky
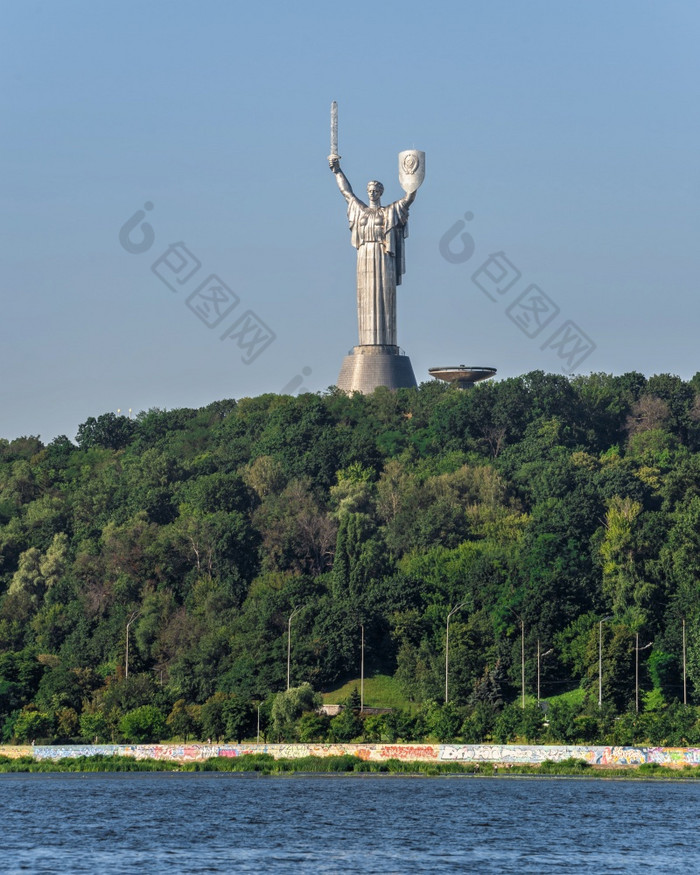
<point>569,132</point>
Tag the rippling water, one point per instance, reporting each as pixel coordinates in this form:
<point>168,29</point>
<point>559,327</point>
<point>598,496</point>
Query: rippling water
<point>175,822</point>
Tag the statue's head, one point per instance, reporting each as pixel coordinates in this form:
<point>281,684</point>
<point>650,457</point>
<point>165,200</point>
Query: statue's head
<point>374,189</point>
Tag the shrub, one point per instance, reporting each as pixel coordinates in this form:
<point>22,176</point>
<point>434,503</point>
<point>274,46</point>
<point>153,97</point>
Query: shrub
<point>143,724</point>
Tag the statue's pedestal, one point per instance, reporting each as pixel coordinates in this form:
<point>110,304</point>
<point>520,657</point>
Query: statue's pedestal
<point>371,366</point>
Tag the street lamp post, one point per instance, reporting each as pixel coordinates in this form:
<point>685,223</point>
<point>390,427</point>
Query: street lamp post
<point>126,659</point>
<point>522,661</point>
<point>447,644</point>
<point>600,660</point>
<point>636,670</point>
<point>289,643</point>
<point>539,655</point>
<point>362,670</point>
<point>685,691</point>
<point>522,657</point>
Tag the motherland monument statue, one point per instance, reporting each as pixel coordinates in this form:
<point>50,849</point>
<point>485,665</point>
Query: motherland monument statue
<point>378,233</point>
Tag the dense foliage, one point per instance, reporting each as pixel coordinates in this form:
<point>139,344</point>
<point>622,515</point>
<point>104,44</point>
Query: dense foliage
<point>539,503</point>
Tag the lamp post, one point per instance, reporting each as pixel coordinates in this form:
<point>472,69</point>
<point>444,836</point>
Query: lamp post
<point>522,661</point>
<point>600,660</point>
<point>447,644</point>
<point>636,670</point>
<point>685,691</point>
<point>539,655</point>
<point>126,659</point>
<point>289,642</point>
<point>362,670</point>
<point>522,657</point>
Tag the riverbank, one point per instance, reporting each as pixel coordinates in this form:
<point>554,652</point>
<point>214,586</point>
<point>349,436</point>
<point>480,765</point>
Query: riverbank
<point>447,758</point>
<point>265,764</point>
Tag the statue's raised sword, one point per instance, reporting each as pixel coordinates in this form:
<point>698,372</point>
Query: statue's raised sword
<point>334,131</point>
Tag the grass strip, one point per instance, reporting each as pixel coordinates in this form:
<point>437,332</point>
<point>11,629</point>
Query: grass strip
<point>265,764</point>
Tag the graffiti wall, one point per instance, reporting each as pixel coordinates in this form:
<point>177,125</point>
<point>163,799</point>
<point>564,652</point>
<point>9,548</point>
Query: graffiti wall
<point>467,753</point>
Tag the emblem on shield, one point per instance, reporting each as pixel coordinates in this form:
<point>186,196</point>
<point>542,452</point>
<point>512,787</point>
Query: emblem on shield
<point>411,170</point>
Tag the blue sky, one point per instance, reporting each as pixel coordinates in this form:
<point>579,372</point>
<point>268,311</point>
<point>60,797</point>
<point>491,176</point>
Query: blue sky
<point>569,132</point>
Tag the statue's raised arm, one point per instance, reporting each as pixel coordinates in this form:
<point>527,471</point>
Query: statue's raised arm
<point>340,177</point>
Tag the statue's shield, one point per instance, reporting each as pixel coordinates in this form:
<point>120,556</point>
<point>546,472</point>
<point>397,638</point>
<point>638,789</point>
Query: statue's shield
<point>411,170</point>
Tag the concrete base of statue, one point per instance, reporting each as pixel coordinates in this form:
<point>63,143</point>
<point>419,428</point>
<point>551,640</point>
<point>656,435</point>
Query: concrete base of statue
<point>368,367</point>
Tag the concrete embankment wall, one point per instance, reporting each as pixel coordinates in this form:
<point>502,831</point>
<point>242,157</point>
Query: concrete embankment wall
<point>467,753</point>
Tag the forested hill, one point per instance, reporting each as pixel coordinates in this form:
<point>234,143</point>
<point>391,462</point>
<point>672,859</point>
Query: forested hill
<point>539,503</point>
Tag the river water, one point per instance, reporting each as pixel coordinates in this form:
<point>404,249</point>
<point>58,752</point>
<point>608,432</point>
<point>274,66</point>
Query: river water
<point>214,822</point>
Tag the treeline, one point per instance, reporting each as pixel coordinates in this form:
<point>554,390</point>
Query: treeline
<point>540,505</point>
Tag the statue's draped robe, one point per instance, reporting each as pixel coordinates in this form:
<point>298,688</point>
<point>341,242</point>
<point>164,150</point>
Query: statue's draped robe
<point>378,235</point>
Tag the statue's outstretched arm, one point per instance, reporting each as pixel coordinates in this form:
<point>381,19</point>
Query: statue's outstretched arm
<point>341,178</point>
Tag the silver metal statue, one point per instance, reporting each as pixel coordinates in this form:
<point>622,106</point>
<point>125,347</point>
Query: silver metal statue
<point>378,233</point>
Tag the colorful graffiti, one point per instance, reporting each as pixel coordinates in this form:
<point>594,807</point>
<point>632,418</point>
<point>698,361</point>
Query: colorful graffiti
<point>467,753</point>
<point>595,755</point>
